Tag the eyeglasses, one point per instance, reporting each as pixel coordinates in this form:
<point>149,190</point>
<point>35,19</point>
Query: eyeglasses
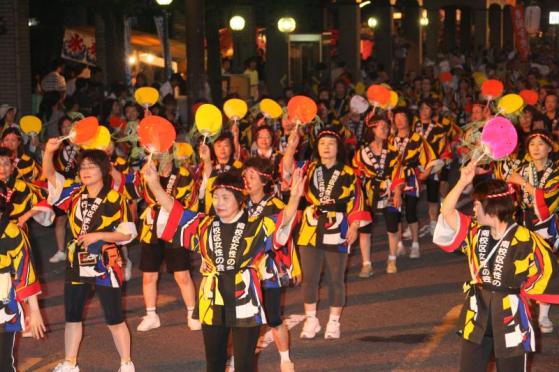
<point>88,167</point>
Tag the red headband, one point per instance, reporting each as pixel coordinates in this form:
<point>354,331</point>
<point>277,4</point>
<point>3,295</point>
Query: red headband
<point>547,139</point>
<point>329,133</point>
<point>510,191</point>
<point>261,174</point>
<point>228,187</point>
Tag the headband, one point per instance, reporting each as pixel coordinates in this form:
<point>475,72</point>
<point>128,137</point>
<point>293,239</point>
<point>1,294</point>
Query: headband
<point>229,187</point>
<point>546,138</point>
<point>510,191</point>
<point>261,174</point>
<point>329,133</point>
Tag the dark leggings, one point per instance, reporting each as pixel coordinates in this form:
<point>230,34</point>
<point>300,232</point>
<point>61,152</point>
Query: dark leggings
<point>393,217</point>
<point>7,352</point>
<point>474,358</point>
<point>336,262</point>
<point>244,346</point>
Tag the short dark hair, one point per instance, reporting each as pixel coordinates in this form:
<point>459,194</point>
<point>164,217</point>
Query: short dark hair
<point>341,154</point>
<point>101,159</point>
<point>262,165</point>
<point>231,178</point>
<point>264,127</point>
<point>402,110</point>
<point>369,133</point>
<point>502,207</point>
<point>15,131</point>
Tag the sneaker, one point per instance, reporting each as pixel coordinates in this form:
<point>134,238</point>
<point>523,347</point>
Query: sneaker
<point>127,270</point>
<point>391,267</point>
<point>332,330</point>
<point>59,256</point>
<point>65,367</point>
<point>310,328</point>
<point>149,322</point>
<point>424,231</point>
<point>406,235</point>
<point>546,326</point>
<point>366,271</point>
<point>401,251</point>
<point>287,367</point>
<point>193,324</point>
<point>414,251</point>
<point>127,367</point>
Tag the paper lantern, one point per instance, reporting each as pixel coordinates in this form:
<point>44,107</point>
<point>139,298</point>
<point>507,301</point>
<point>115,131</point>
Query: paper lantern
<point>30,124</point>
<point>208,120</point>
<point>532,19</point>
<point>510,104</point>
<point>492,89</point>
<point>270,108</point>
<point>156,134</point>
<point>301,109</point>
<point>235,109</point>
<point>146,96</point>
<point>499,137</point>
<point>530,97</point>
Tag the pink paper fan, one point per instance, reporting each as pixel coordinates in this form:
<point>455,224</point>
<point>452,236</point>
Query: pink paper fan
<point>500,137</point>
<point>358,104</point>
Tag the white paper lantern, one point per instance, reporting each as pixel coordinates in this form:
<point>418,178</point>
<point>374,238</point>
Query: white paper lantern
<point>532,19</point>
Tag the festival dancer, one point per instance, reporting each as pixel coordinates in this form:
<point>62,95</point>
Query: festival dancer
<point>18,283</point>
<point>281,265</point>
<point>233,246</point>
<point>99,220</point>
<point>538,178</point>
<point>178,183</point>
<point>508,264</point>
<point>379,168</point>
<point>26,167</point>
<point>416,157</point>
<point>329,225</point>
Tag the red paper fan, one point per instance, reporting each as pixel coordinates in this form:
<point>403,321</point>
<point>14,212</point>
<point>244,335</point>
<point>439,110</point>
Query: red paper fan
<point>156,133</point>
<point>84,131</point>
<point>530,97</point>
<point>492,89</point>
<point>378,95</point>
<point>301,108</point>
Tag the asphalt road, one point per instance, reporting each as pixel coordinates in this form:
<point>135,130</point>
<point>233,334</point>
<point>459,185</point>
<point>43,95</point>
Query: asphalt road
<point>395,322</point>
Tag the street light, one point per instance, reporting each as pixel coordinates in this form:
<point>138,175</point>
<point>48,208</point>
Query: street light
<point>166,48</point>
<point>286,24</point>
<point>237,23</point>
<point>554,18</point>
<point>372,22</point>
<point>424,21</point>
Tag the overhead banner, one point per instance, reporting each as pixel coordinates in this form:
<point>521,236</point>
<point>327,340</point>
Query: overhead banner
<point>79,47</point>
<point>520,35</point>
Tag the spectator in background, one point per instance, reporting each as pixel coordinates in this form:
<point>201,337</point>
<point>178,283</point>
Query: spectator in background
<point>54,80</point>
<point>170,86</point>
<point>7,116</point>
<point>252,74</point>
<point>50,112</point>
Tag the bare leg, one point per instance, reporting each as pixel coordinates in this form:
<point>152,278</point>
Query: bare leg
<point>60,232</point>
<point>433,211</point>
<point>281,337</point>
<point>121,338</point>
<point>414,231</point>
<point>72,339</point>
<point>393,244</point>
<point>186,286</point>
<point>365,247</point>
<point>149,287</point>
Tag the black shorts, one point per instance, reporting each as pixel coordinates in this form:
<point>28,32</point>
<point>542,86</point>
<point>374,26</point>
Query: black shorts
<point>272,306</point>
<point>76,296</point>
<point>393,217</point>
<point>176,258</point>
<point>432,190</point>
<point>445,172</point>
